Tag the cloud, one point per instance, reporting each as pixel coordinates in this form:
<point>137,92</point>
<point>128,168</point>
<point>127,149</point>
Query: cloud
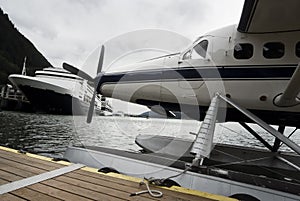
<point>69,30</point>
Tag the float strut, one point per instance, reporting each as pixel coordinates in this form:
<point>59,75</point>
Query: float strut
<point>277,142</point>
<point>250,130</point>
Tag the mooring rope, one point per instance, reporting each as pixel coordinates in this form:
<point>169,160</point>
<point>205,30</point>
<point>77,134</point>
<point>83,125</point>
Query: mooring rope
<point>159,182</point>
<point>153,193</point>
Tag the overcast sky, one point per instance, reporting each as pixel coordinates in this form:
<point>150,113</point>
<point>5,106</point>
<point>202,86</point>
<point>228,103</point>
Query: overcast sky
<point>68,30</point>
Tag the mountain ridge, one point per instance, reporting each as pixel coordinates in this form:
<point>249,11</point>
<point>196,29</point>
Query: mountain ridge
<point>14,47</point>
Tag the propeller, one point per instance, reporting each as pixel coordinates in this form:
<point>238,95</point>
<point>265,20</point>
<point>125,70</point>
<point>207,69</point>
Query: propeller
<point>95,80</point>
<point>76,71</point>
<point>96,83</point>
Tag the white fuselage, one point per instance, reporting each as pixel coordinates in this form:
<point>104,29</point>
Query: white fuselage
<point>252,69</point>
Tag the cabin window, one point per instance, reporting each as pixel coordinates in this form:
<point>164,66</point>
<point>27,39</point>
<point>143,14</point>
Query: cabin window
<point>243,51</point>
<point>273,50</point>
<point>199,50</point>
<point>298,49</point>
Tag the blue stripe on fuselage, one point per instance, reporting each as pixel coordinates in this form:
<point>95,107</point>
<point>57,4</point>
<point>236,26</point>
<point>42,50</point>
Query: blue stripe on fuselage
<point>203,73</point>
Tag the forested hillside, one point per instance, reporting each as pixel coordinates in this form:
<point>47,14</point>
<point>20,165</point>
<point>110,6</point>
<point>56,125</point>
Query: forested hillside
<point>13,48</point>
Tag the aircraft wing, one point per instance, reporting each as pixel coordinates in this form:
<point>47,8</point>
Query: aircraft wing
<point>270,16</point>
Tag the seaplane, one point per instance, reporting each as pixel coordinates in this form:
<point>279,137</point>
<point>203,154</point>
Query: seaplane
<point>245,73</point>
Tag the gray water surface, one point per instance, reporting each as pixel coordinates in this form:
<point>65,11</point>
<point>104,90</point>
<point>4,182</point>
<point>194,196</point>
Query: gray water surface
<point>50,135</point>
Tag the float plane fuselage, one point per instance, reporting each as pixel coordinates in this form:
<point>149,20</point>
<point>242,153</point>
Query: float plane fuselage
<point>254,63</point>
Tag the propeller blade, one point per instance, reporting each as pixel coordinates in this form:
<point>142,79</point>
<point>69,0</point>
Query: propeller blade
<point>91,108</point>
<point>76,71</point>
<point>96,83</point>
<point>101,58</point>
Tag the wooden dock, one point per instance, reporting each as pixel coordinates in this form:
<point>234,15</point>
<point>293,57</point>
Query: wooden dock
<point>17,170</point>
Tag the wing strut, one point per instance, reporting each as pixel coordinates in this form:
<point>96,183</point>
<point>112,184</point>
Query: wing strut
<point>263,125</point>
<point>289,97</point>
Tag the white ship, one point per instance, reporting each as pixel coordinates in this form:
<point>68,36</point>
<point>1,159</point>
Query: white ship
<point>57,91</point>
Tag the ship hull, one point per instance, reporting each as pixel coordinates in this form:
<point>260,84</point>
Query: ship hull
<point>51,102</point>
<point>49,98</point>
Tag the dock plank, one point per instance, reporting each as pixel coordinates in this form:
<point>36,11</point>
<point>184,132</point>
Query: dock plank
<point>33,195</point>
<point>96,178</point>
<point>73,187</point>
<point>9,176</point>
<point>127,186</point>
<point>58,193</point>
<point>17,166</point>
<point>31,162</point>
<point>77,190</point>
<point>19,169</point>
<point>112,189</point>
<point>46,190</point>
<point>10,197</point>
<point>2,181</point>
<point>77,185</point>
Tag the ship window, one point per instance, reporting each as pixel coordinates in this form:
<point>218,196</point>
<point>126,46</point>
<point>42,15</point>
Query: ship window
<point>243,51</point>
<point>199,50</point>
<point>273,50</point>
<point>298,49</point>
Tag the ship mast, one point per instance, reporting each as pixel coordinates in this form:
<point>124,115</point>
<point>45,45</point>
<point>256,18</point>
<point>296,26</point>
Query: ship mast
<point>24,67</point>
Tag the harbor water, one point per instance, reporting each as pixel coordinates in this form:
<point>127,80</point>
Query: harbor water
<point>50,135</point>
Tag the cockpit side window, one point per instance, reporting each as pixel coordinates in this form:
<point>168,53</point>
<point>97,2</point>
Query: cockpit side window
<point>199,50</point>
<point>187,55</point>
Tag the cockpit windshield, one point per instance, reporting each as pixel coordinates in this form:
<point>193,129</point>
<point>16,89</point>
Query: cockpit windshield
<point>189,46</point>
<point>198,47</point>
